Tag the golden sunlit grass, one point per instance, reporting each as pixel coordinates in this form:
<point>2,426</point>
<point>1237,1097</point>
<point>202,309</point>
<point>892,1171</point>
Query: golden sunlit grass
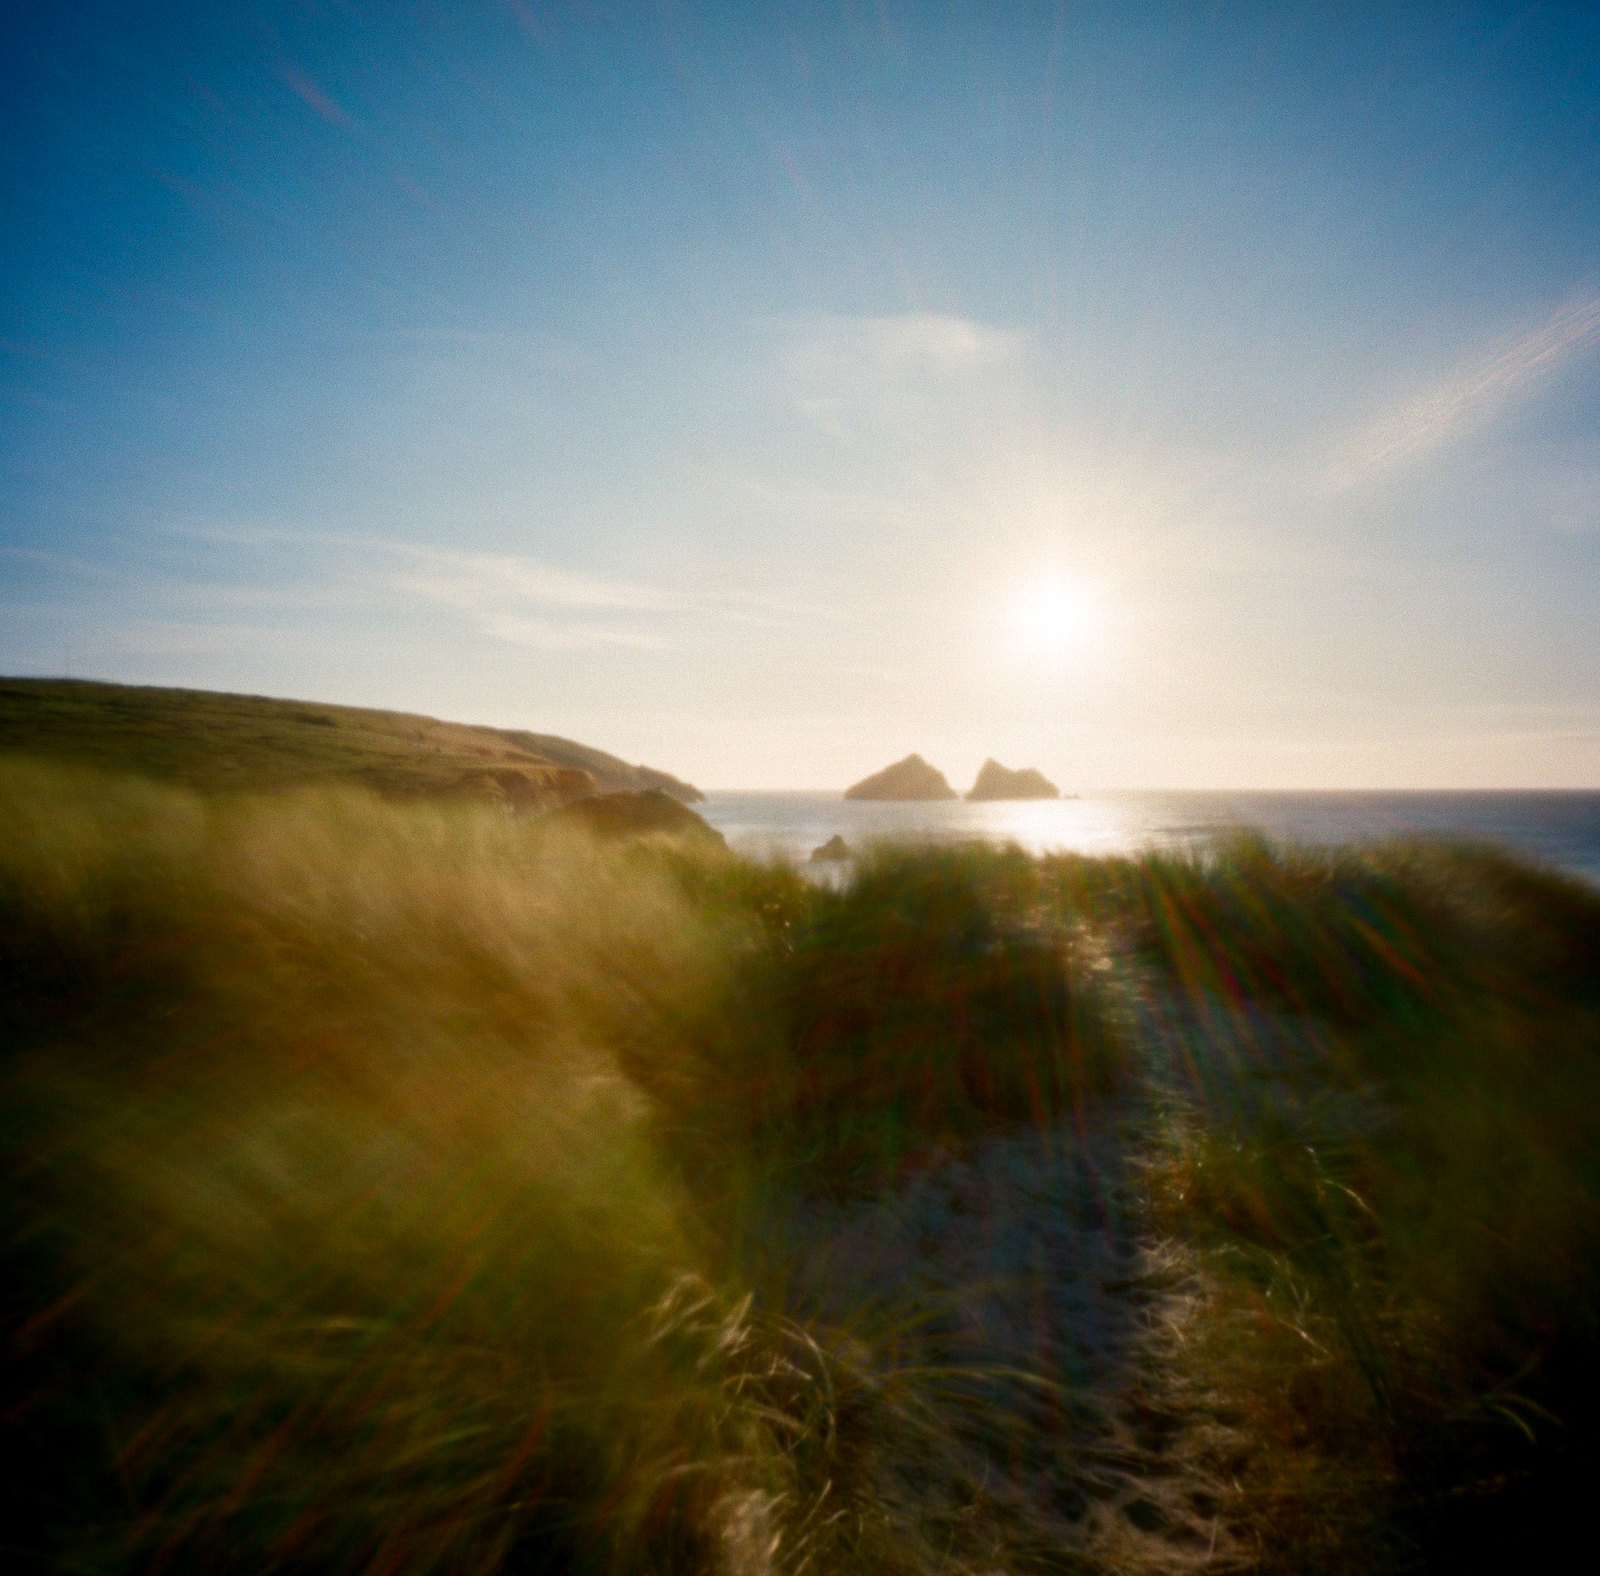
<point>360,1208</point>
<point>419,1188</point>
<point>334,1188</point>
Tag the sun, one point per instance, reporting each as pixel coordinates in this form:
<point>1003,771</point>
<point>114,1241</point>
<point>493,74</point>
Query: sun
<point>1054,618</point>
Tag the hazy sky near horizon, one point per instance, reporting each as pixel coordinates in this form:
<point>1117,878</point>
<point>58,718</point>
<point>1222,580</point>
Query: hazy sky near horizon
<point>1164,396</point>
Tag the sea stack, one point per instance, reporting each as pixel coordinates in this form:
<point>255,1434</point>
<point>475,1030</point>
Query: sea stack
<point>997,782</point>
<point>911,778</point>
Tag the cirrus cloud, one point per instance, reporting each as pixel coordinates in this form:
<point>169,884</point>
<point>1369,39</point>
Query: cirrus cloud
<point>1479,387</point>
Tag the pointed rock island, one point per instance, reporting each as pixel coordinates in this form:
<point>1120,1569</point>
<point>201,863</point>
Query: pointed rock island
<point>911,778</point>
<point>997,782</point>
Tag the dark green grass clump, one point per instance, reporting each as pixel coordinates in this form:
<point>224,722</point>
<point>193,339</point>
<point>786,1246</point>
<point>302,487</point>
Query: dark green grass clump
<point>941,994</point>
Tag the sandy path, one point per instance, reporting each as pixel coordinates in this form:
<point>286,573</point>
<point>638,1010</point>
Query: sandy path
<point>1031,1252</point>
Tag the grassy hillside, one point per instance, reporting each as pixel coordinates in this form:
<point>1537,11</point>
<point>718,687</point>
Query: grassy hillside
<point>606,769</point>
<point>210,741</point>
<point>409,1187</point>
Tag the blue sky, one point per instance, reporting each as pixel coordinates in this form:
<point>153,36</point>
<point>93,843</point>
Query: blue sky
<point>731,386</point>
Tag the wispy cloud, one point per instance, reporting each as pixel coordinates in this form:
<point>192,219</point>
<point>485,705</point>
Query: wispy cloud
<point>1473,392</point>
<point>914,342</point>
<point>180,638</point>
<point>60,563</point>
<point>525,602</point>
<point>801,500</point>
<point>911,373</point>
<point>544,634</point>
<point>311,95</point>
<point>472,580</point>
<point>510,597</point>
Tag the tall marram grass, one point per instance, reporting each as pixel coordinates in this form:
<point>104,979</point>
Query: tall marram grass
<point>400,1188</point>
<point>336,1238</point>
<point>941,993</point>
<point>1385,1132</point>
<point>379,1184</point>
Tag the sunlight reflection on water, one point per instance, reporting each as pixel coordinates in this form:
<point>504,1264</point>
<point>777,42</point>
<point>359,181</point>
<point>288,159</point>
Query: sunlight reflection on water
<point>1561,829</point>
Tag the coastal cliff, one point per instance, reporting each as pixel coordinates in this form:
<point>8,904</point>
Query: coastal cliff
<point>640,813</point>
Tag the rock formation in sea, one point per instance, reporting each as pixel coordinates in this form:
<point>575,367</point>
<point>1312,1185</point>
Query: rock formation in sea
<point>998,782</point>
<point>911,778</point>
<point>834,850</point>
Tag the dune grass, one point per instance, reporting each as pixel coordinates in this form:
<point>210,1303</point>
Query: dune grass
<point>393,1187</point>
<point>1384,1129</point>
<point>331,1186</point>
<point>360,1209</point>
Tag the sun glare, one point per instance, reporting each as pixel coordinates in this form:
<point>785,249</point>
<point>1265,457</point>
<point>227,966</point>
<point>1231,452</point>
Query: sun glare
<point>1054,618</point>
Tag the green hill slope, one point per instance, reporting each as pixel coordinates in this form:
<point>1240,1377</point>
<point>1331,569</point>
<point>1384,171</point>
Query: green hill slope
<point>209,740</point>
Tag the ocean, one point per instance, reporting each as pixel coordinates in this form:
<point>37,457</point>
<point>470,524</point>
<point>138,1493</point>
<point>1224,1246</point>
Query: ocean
<point>1555,828</point>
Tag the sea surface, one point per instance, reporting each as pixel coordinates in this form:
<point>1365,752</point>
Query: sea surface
<point>1556,828</point>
